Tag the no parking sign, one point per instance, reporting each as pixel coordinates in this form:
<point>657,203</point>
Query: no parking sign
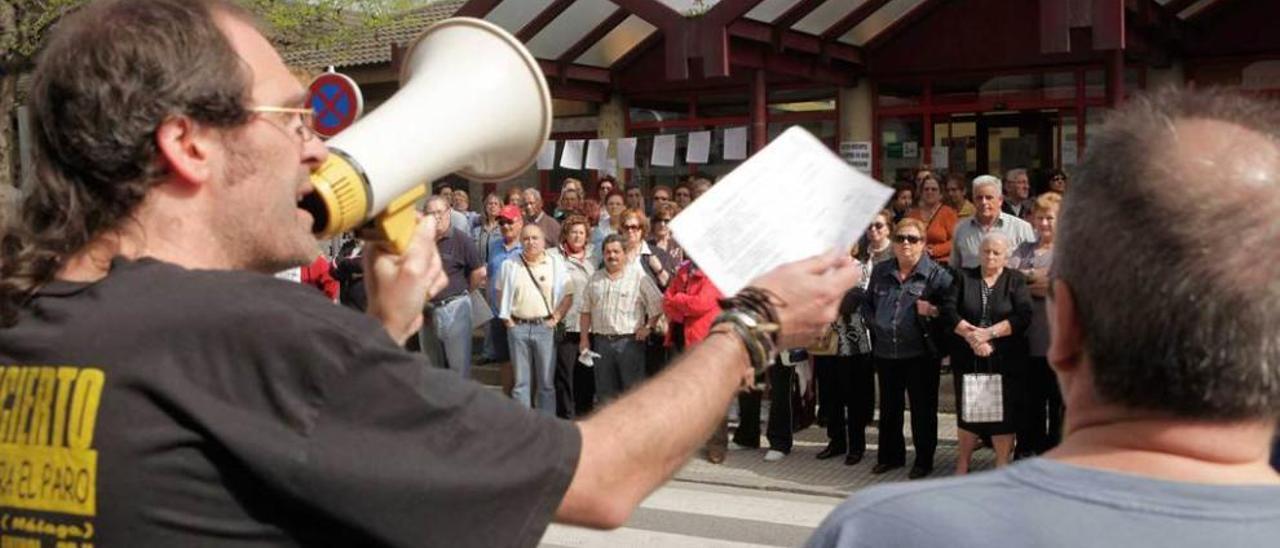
<point>337,102</point>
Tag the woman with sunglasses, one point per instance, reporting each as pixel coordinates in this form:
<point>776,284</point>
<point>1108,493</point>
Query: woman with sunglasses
<point>660,232</point>
<point>660,267</point>
<point>1058,181</point>
<point>903,298</point>
<point>846,377</point>
<point>939,219</point>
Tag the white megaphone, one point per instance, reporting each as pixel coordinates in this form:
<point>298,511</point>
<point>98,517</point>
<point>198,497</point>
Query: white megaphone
<point>472,101</point>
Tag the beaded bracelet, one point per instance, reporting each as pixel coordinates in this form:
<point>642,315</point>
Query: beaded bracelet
<point>761,305</point>
<point>760,346</point>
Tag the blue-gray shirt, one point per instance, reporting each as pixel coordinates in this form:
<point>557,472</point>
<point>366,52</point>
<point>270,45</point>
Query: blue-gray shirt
<point>969,234</point>
<point>498,254</point>
<point>1042,502</point>
<point>890,306</point>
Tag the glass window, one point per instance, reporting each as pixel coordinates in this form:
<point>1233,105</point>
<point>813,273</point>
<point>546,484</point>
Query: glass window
<point>900,148</point>
<point>955,145</point>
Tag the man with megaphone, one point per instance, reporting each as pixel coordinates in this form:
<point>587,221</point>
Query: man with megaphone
<point>170,392</point>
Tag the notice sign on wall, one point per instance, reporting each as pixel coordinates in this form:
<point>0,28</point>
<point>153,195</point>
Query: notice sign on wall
<point>858,154</point>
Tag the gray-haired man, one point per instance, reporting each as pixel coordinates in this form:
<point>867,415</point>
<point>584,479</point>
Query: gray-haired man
<point>987,216</point>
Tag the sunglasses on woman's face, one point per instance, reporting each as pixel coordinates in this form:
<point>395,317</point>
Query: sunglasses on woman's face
<point>907,239</point>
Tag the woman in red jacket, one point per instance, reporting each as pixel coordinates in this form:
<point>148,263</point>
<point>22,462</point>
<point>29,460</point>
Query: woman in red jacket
<point>691,304</point>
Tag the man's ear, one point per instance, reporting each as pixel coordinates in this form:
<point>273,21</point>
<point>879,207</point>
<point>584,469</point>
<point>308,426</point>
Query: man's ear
<point>187,148</point>
<point>1067,346</point>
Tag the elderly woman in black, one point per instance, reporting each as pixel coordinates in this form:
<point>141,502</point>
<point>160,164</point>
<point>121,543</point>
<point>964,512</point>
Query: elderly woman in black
<point>989,309</point>
<point>903,299</point>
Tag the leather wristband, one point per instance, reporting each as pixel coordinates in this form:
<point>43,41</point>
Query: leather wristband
<point>747,327</point>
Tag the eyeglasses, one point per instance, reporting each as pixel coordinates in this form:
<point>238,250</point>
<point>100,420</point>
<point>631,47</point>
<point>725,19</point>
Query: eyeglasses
<point>631,227</point>
<point>907,239</point>
<point>305,119</point>
<point>660,221</point>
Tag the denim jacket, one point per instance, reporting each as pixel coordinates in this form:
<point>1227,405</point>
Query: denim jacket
<point>890,307</point>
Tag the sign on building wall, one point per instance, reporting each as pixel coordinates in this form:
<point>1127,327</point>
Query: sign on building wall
<point>858,154</point>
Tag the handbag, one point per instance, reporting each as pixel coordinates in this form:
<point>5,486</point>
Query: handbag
<point>828,344</point>
<point>982,397</point>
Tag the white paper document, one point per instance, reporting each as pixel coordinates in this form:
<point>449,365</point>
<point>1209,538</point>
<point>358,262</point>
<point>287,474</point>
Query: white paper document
<point>571,158</point>
<point>597,153</point>
<point>699,150</point>
<point>792,200</point>
<point>664,150</point>
<point>735,143</point>
<point>627,152</point>
<point>547,157</point>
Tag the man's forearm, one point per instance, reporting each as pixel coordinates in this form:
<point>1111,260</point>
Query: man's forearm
<point>624,459</point>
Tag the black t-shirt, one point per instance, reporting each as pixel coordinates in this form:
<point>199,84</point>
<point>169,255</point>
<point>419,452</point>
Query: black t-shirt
<point>459,258</point>
<point>167,407</point>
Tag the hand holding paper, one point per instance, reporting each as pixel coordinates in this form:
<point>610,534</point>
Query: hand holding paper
<point>793,200</point>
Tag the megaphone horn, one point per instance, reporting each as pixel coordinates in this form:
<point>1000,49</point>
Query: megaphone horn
<point>472,101</point>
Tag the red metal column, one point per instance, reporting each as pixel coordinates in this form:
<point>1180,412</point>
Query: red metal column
<point>1081,113</point>
<point>759,112</point>
<point>926,151</point>
<point>1115,77</point>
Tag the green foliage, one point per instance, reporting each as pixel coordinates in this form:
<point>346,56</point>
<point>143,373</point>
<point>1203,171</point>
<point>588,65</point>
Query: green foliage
<point>23,23</point>
<point>22,27</point>
<point>321,23</point>
<point>698,9</point>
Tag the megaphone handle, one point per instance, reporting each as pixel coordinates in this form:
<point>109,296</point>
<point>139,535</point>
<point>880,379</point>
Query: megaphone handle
<point>397,223</point>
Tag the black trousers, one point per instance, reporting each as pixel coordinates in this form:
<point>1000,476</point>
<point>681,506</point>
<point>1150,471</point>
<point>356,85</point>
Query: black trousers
<point>779,429</point>
<point>918,377</point>
<point>1041,427</point>
<point>565,378</point>
<point>581,396</point>
<point>655,355</point>
<point>847,396</point>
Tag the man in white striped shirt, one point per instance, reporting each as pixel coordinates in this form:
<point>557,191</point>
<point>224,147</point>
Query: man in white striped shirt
<point>621,306</point>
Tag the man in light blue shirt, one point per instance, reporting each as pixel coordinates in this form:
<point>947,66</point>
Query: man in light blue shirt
<point>1165,353</point>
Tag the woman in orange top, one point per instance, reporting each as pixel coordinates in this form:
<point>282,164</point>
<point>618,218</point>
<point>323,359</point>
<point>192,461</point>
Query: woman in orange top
<point>938,217</point>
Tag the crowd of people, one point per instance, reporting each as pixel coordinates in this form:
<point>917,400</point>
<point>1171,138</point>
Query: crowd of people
<point>588,301</point>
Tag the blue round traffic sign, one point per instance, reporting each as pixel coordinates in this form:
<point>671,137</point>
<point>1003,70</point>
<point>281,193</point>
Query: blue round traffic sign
<point>337,103</point>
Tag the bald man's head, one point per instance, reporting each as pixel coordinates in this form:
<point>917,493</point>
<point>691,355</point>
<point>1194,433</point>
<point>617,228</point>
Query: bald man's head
<point>534,240</point>
<point>1168,240</point>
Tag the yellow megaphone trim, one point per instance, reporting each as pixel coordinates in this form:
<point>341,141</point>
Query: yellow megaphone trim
<point>342,196</point>
<point>342,199</point>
